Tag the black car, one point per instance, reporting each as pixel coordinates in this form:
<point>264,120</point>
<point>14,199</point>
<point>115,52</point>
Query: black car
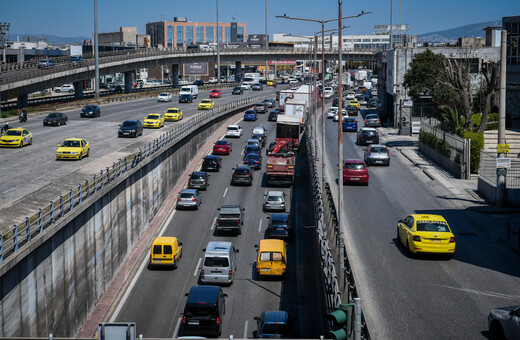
<point>254,160</point>
<point>91,111</point>
<point>335,102</point>
<point>211,163</point>
<point>352,110</point>
<point>273,115</point>
<point>115,88</point>
<point>198,180</point>
<point>238,90</point>
<point>198,82</point>
<point>55,118</point>
<point>242,174</point>
<point>260,137</point>
<point>130,128</point>
<point>367,136</point>
<point>185,98</point>
<point>204,311</point>
<point>257,87</point>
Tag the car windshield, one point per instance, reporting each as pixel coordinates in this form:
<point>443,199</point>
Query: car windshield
<point>206,101</point>
<point>436,226</point>
<point>214,91</point>
<point>275,198</point>
<point>165,94</point>
<point>53,115</point>
<point>172,111</point>
<point>71,144</point>
<point>90,107</point>
<point>354,166</point>
<point>129,124</point>
<point>13,133</point>
<point>216,262</point>
<point>237,88</point>
<point>152,117</point>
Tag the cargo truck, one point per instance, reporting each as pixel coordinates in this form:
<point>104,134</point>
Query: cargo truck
<point>296,107</point>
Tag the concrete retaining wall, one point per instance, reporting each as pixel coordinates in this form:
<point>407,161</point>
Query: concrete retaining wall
<point>489,189</point>
<point>446,163</point>
<point>52,285</point>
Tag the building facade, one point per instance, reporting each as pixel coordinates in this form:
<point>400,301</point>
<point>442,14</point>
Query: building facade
<point>181,33</point>
<point>127,36</point>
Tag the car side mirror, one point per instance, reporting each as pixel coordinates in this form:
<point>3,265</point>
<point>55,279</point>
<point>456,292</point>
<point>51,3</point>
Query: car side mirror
<point>256,318</point>
<point>204,249</point>
<point>218,209</point>
<point>59,144</point>
<point>120,124</point>
<point>243,209</point>
<point>225,295</point>
<point>237,251</point>
<point>400,221</point>
<point>255,246</point>
<point>180,243</point>
<point>268,217</point>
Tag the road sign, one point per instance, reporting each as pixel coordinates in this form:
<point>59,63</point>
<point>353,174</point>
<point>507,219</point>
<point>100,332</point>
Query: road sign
<point>502,148</point>
<point>503,163</point>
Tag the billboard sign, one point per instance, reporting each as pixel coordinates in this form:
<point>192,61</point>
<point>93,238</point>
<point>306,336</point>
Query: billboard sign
<point>195,69</point>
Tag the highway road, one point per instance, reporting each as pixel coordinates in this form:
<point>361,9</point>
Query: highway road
<point>34,166</point>
<point>423,297</point>
<point>158,296</point>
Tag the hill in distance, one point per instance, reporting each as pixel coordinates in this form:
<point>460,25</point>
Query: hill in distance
<point>453,34</point>
<point>51,39</point>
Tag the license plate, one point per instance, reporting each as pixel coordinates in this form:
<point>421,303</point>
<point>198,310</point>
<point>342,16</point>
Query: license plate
<point>354,178</point>
<point>216,273</point>
<point>193,322</point>
<point>436,240</point>
<point>126,133</point>
<point>265,269</point>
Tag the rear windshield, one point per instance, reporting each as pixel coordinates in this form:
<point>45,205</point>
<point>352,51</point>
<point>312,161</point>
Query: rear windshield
<point>437,226</point>
<point>232,128</point>
<point>210,161</point>
<point>200,311</point>
<point>221,142</point>
<point>354,166</point>
<point>216,262</point>
<point>167,249</point>
<point>274,328</point>
<point>372,117</point>
<point>279,223</point>
<point>378,150</point>
<point>369,133</point>
<point>197,176</point>
<point>241,171</point>
<point>349,120</point>
<point>186,195</point>
<point>275,198</point>
<point>271,256</point>
<point>258,136</point>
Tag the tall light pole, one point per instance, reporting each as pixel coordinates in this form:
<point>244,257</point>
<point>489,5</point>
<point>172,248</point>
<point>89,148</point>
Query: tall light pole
<point>340,133</point>
<point>266,45</point>
<point>218,50</point>
<point>96,52</point>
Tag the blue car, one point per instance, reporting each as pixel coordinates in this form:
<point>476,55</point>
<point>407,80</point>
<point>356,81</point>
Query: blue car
<point>271,324</point>
<point>252,149</point>
<point>280,226</point>
<point>349,124</point>
<point>250,115</point>
<point>254,160</point>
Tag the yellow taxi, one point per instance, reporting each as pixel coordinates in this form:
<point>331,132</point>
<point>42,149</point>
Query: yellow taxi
<point>16,138</point>
<point>153,120</point>
<point>355,103</point>
<point>206,104</point>
<point>422,233</point>
<point>272,258</point>
<point>73,148</point>
<point>271,83</point>
<point>173,114</point>
<point>166,251</point>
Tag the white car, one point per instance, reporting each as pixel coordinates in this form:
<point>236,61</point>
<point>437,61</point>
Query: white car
<point>246,85</point>
<point>234,131</point>
<point>328,92</point>
<point>258,130</point>
<point>64,88</point>
<point>293,81</point>
<point>164,97</point>
<point>351,95</point>
<point>332,112</point>
<point>183,82</point>
<point>344,112</point>
<point>212,80</point>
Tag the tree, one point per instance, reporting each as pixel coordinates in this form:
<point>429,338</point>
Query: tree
<point>451,120</point>
<point>458,81</point>
<point>491,72</point>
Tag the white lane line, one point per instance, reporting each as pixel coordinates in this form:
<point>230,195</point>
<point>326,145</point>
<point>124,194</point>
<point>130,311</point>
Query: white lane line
<point>241,153</point>
<point>9,190</point>
<point>167,223</point>
<point>214,222</point>
<point>265,192</point>
<point>177,328</point>
<point>39,177</point>
<point>245,330</point>
<point>225,192</point>
<point>197,268</point>
<point>260,226</point>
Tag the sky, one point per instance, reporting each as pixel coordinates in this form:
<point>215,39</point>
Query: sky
<point>73,18</point>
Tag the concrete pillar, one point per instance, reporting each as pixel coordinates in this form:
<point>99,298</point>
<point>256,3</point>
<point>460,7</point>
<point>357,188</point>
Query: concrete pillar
<point>175,75</point>
<point>79,87</point>
<point>129,77</point>
<point>238,70</point>
<point>22,101</point>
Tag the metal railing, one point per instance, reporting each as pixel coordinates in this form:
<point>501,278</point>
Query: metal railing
<point>488,169</point>
<point>33,226</point>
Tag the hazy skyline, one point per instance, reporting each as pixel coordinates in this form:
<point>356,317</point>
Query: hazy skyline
<point>76,18</point>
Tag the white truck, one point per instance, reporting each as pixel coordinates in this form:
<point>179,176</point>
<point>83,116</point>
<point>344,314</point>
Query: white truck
<point>190,89</point>
<point>252,77</point>
<point>296,107</point>
<point>284,95</point>
<point>361,75</point>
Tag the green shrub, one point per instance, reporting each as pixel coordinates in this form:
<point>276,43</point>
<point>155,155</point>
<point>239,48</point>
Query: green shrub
<point>435,143</point>
<point>477,144</point>
<point>493,117</point>
<point>9,113</point>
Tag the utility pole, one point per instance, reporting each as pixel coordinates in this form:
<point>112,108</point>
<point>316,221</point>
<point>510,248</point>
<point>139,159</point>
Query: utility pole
<point>4,28</point>
<point>96,52</point>
<point>502,172</point>
<point>218,50</point>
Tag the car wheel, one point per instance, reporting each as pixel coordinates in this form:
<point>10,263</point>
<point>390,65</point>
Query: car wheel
<point>70,91</point>
<point>21,144</point>
<point>80,157</point>
<point>497,332</point>
<point>88,153</point>
<point>57,91</point>
<point>30,141</point>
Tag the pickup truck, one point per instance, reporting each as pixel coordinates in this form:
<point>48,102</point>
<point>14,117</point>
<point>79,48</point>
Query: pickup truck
<point>230,218</point>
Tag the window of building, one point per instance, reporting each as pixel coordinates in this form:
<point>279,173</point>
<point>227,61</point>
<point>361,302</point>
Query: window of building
<point>376,40</point>
<point>356,40</point>
<point>169,33</point>
<point>189,35</point>
<point>367,40</point>
<point>227,37</point>
<point>219,39</point>
<point>209,34</point>
<point>240,33</point>
<point>200,35</point>
<point>180,31</point>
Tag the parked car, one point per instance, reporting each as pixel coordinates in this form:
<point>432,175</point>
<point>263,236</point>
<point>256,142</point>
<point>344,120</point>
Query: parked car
<point>238,90</point>
<point>274,201</point>
<point>355,171</point>
<point>186,98</point>
<point>211,163</point>
<point>64,88</point>
<point>164,97</point>
<point>189,198</point>
<point>377,154</point>
<point>130,128</point>
<point>90,111</point>
<point>242,174</point>
<point>367,135</point>
<point>55,118</point>
<point>198,180</point>
<point>504,322</point>
<point>250,115</point>
<point>372,120</point>
<point>234,131</point>
<point>349,124</point>
<point>280,226</point>
<point>115,88</point>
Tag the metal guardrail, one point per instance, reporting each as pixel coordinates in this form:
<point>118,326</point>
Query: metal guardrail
<point>23,233</point>
<point>488,169</point>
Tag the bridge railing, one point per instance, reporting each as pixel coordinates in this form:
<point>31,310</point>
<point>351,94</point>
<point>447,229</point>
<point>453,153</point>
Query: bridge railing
<point>23,233</point>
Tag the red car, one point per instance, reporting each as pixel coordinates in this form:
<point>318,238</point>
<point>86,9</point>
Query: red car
<point>355,171</point>
<point>215,93</point>
<point>222,147</point>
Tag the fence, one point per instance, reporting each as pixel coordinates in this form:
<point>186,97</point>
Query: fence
<point>22,233</point>
<point>488,169</point>
<point>460,151</point>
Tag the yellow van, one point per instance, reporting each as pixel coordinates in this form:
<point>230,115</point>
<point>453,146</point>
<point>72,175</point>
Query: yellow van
<point>272,258</point>
<point>166,251</point>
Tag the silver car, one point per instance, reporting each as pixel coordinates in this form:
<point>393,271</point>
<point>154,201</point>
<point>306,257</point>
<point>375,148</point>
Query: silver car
<point>274,201</point>
<point>189,198</point>
<point>504,323</point>
<point>377,154</point>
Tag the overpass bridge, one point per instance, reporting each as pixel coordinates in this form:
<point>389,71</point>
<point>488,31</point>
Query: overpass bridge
<point>18,81</point>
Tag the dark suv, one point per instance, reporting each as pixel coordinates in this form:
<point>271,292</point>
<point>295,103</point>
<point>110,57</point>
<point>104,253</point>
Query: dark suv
<point>367,136</point>
<point>242,174</point>
<point>185,98</point>
<point>211,163</point>
<point>203,312</point>
<point>238,90</point>
<point>280,226</point>
<point>130,128</point>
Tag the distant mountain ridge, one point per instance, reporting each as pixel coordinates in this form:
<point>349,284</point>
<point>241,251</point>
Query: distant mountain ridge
<point>453,34</point>
<point>52,39</point>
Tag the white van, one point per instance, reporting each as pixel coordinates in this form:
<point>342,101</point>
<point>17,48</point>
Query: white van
<point>220,263</point>
<point>190,89</point>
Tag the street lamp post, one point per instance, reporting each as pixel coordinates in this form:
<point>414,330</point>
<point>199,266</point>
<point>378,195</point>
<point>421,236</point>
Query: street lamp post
<point>218,50</point>
<point>266,45</point>
<point>96,52</point>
